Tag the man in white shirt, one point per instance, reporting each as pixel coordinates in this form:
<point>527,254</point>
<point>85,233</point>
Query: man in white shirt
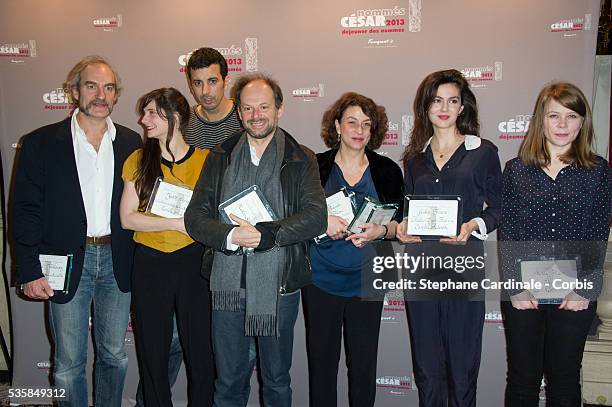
<point>66,202</point>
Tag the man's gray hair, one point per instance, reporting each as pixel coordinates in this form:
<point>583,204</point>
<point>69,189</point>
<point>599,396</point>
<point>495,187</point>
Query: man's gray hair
<point>73,80</point>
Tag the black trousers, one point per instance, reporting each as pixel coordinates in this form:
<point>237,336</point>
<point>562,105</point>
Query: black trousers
<point>446,341</point>
<point>326,316</point>
<point>550,342</point>
<point>164,284</point>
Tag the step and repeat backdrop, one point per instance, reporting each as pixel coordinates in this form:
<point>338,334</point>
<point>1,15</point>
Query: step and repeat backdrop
<point>317,50</point>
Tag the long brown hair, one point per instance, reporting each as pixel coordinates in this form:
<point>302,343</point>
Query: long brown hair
<point>168,101</point>
<point>533,151</point>
<point>467,122</point>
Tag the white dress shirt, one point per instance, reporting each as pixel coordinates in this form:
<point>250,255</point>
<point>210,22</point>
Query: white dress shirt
<point>96,172</point>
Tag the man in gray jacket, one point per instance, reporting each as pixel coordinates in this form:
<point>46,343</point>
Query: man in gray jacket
<point>256,271</point>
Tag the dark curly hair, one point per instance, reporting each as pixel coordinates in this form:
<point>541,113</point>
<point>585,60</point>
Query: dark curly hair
<point>375,113</point>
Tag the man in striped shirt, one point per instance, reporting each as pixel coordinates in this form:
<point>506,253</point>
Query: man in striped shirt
<point>215,117</point>
<point>212,120</point>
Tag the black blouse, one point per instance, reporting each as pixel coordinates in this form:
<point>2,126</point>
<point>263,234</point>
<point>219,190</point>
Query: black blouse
<point>567,215</point>
<point>473,173</point>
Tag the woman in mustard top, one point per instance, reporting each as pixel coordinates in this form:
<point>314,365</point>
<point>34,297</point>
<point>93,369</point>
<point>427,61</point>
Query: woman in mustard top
<point>166,278</point>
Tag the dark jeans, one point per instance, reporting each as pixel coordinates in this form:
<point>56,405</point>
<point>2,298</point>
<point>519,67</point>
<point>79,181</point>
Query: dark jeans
<point>326,315</point>
<point>550,342</point>
<point>235,363</point>
<point>164,285</point>
<point>446,339</point>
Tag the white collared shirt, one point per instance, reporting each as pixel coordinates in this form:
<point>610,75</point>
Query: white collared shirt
<point>471,142</point>
<point>96,171</point>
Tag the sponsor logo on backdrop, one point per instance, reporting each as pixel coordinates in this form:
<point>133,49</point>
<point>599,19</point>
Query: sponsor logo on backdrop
<point>394,301</point>
<point>493,317</point>
<point>572,24</point>
<point>396,384</point>
<point>108,23</point>
<point>43,365</point>
<point>514,128</point>
<point>543,390</point>
<point>309,94</point>
<point>407,126</point>
<point>57,100</point>
<point>238,58</point>
<point>392,137</point>
<point>251,54</point>
<point>393,19</point>
<point>388,319</point>
<point>386,43</point>
<point>19,50</point>
<point>480,76</point>
<point>414,16</point>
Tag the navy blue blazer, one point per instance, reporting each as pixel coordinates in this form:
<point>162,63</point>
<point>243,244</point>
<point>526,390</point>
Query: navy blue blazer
<point>48,210</point>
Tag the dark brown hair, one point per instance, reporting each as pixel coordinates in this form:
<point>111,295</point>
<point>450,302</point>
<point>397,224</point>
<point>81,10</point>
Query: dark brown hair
<point>467,122</point>
<point>168,101</point>
<point>533,151</point>
<point>375,113</point>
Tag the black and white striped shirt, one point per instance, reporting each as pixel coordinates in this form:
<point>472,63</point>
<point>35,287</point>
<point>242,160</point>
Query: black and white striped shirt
<point>205,134</point>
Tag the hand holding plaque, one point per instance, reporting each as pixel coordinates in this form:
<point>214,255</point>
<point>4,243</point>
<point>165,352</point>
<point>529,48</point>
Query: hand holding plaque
<point>169,200</point>
<point>341,204</point>
<point>432,217</point>
<point>372,212</point>
<point>549,277</point>
<point>249,205</point>
<point>57,269</point>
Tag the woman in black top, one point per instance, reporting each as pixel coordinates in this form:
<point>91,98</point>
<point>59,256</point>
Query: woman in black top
<point>335,304</point>
<point>556,206</point>
<point>446,156</point>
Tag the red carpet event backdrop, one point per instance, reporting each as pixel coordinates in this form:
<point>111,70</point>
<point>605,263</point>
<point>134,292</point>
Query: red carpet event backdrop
<point>317,50</point>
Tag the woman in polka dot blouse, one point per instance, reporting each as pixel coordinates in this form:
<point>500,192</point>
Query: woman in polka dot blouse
<point>555,217</point>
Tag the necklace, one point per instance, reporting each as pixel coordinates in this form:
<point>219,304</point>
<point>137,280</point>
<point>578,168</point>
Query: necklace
<point>450,150</point>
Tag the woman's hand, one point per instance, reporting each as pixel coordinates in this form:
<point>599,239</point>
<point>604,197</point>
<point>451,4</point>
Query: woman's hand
<point>464,234</point>
<point>336,227</point>
<point>132,219</point>
<point>178,224</point>
<point>574,302</point>
<point>370,231</point>
<point>524,300</point>
<point>402,236</point>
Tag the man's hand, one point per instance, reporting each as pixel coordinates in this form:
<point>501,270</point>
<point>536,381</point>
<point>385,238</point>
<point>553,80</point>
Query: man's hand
<point>38,289</point>
<point>245,235</point>
<point>524,300</point>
